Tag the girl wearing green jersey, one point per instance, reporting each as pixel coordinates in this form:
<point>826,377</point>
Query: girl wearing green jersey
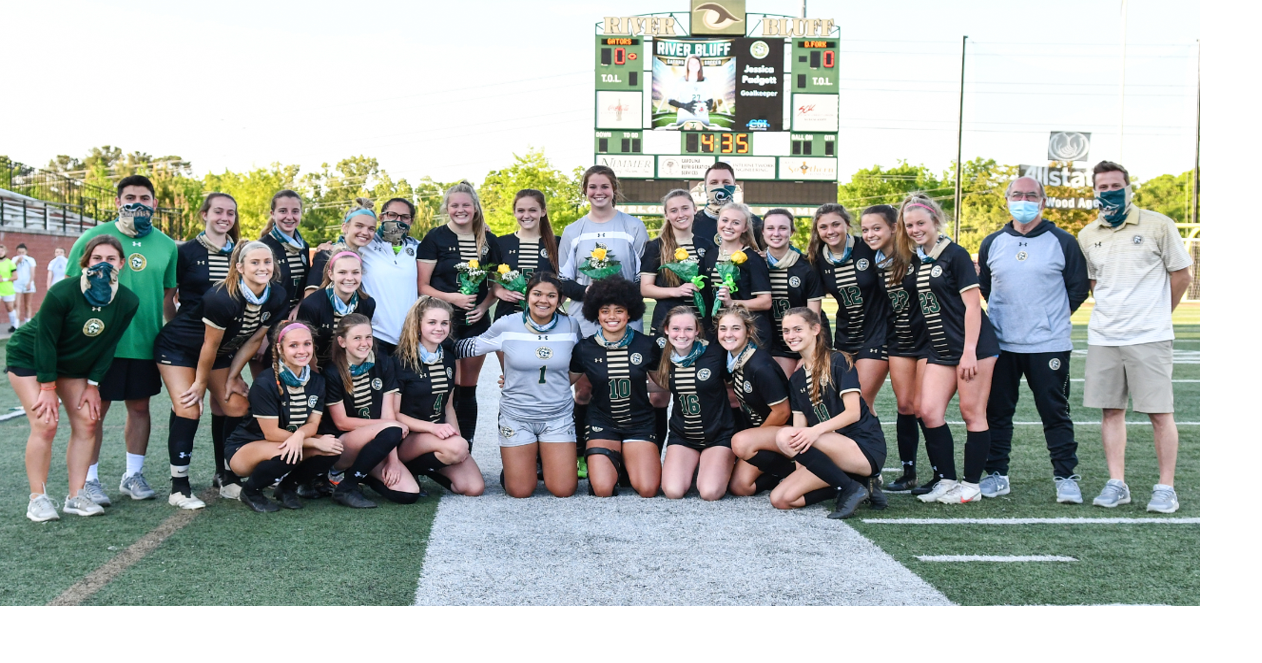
<point>64,352</point>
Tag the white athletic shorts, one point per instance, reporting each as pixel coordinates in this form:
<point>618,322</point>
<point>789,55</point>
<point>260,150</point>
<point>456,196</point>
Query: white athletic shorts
<point>24,287</point>
<point>9,298</point>
<point>514,433</point>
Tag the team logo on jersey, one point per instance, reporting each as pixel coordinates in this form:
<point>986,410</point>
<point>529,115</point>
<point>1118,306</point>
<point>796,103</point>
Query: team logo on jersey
<point>749,388</point>
<point>293,428</point>
<point>936,271</point>
<point>410,251</point>
<point>448,373</point>
<point>311,401</point>
<point>364,413</point>
<point>701,252</point>
<point>93,327</point>
<point>506,432</point>
<point>661,341</point>
<point>636,358</point>
<point>137,262</point>
<point>1054,364</point>
<point>1137,239</point>
<point>1022,255</point>
<point>485,248</point>
<point>862,264</point>
<point>543,352</point>
<point>794,282</point>
<point>543,253</point>
<point>703,374</point>
<point>266,315</point>
<point>376,384</point>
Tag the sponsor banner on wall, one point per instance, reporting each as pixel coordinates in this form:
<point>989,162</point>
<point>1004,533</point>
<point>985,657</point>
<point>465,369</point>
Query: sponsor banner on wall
<point>628,165</point>
<point>683,166</point>
<point>753,168</point>
<point>815,112</point>
<point>798,168</point>
<point>1058,176</point>
<point>619,109</point>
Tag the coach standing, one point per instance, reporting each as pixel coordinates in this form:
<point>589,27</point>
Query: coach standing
<point>1033,276</point>
<point>1139,270</point>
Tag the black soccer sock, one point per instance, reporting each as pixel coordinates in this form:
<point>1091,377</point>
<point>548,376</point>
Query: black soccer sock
<point>908,441</point>
<point>940,447</point>
<point>819,495</point>
<point>580,428</point>
<point>267,472</point>
<point>772,463</point>
<point>766,481</point>
<point>370,456</point>
<point>467,412</point>
<point>819,464</point>
<point>427,464</point>
<point>180,434</point>
<point>661,422</point>
<point>396,496</point>
<point>976,448</point>
<point>229,424</point>
<point>310,468</point>
<point>217,436</point>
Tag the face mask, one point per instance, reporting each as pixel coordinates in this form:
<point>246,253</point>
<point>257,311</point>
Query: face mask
<point>252,298</point>
<point>697,348</point>
<point>719,196</point>
<point>287,376</point>
<point>135,219</point>
<point>99,283</point>
<point>342,308</point>
<point>1114,204</point>
<point>1023,211</point>
<point>393,231</point>
<point>359,370</point>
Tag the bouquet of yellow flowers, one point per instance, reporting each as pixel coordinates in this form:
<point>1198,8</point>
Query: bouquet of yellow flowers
<point>511,279</point>
<point>470,276</point>
<point>600,264</point>
<point>728,269</point>
<point>686,268</point>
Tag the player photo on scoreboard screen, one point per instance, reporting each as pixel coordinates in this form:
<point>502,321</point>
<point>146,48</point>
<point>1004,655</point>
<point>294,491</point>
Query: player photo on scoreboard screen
<point>694,84</point>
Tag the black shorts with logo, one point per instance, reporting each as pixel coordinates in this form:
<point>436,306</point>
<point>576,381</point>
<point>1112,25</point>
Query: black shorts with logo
<point>130,380</point>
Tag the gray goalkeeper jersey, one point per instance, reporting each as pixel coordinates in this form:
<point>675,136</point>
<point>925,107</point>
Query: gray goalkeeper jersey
<point>536,366</point>
<point>624,235</point>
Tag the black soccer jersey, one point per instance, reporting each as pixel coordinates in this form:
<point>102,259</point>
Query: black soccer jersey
<point>445,249</point>
<point>318,312</point>
<point>198,267</point>
<point>651,263</point>
<point>753,279</point>
<point>791,287</point>
<point>619,377</point>
<point>862,307</point>
<point>939,285</point>
<point>290,410</point>
<point>238,319</point>
<point>526,256</point>
<point>759,383</point>
<point>701,414</point>
<point>315,275</point>
<point>704,225</point>
<point>367,392</point>
<point>293,267</point>
<point>866,431</point>
<point>425,394</point>
<point>905,335</point>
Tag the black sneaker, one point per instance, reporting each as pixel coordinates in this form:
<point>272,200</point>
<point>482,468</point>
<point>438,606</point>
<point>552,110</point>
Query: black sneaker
<point>848,500</point>
<point>288,498</point>
<point>315,488</point>
<point>255,499</point>
<point>353,498</point>
<point>925,489</point>
<point>876,499</point>
<point>903,483</point>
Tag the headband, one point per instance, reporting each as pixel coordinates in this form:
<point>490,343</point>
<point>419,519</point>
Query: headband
<point>337,256</point>
<point>922,205</point>
<point>358,212</point>
<point>290,327</point>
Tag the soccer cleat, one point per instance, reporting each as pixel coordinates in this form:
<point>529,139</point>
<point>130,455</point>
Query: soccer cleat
<point>924,489</point>
<point>1163,499</point>
<point>334,477</point>
<point>994,485</point>
<point>41,508</point>
<point>353,498</point>
<point>96,492</point>
<point>876,499</point>
<point>287,498</point>
<point>962,492</point>
<point>1115,492</point>
<point>230,491</point>
<point>188,502</point>
<point>82,505</point>
<point>903,484</point>
<point>136,487</point>
<point>939,489</point>
<point>848,500</point>
<point>1067,490</point>
<point>315,488</point>
<point>255,499</point>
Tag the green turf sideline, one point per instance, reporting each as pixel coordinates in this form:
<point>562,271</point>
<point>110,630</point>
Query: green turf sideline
<point>1033,521</point>
<point>995,558</point>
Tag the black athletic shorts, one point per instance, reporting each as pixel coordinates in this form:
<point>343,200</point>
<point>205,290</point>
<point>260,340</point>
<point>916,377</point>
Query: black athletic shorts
<point>130,380</point>
<point>169,355</point>
<point>21,372</point>
<point>604,430</point>
<point>671,438</point>
<point>874,451</point>
<point>873,349</point>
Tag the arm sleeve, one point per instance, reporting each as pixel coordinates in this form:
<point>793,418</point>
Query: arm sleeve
<point>494,255</point>
<point>844,378</point>
<point>576,358</point>
<point>307,310</point>
<point>983,262</point>
<point>655,356</point>
<point>1077,285</point>
<point>1082,246</point>
<point>181,265</point>
<point>389,374</point>
<point>759,275</point>
<point>367,307</point>
<point>640,237</point>
<point>771,383</point>
<point>51,316</point>
<point>318,392</point>
<point>315,276</point>
<point>334,391</point>
<point>798,401</point>
<point>428,250</point>
<point>652,260</point>
<point>485,343</point>
<point>265,399</point>
<point>812,287</point>
<point>565,249</point>
<point>962,270</point>
<point>217,309</point>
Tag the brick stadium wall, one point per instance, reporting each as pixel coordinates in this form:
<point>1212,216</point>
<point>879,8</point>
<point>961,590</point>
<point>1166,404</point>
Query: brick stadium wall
<point>41,247</point>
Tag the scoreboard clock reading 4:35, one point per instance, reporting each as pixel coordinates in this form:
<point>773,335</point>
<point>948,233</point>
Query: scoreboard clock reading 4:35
<point>677,91</point>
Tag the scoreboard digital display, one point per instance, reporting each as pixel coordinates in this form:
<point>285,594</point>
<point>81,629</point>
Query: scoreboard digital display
<point>672,99</point>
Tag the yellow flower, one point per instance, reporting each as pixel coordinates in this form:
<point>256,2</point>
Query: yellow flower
<point>681,253</point>
<point>503,269</point>
<point>473,264</point>
<point>599,254</point>
<point>739,258</point>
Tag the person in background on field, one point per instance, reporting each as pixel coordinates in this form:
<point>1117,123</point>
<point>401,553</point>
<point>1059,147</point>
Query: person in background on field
<point>720,189</point>
<point>1033,276</point>
<point>57,266</point>
<point>24,284</point>
<point>7,292</point>
<point>390,260</point>
<point>150,260</point>
<point>1138,267</point>
<point>65,352</point>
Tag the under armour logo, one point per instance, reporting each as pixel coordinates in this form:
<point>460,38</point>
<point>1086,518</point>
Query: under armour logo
<point>137,243</point>
<point>1023,243</point>
<point>360,475</point>
<point>184,454</point>
<point>1099,244</point>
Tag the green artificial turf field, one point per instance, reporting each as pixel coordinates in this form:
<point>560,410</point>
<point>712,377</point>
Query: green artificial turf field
<point>323,555</point>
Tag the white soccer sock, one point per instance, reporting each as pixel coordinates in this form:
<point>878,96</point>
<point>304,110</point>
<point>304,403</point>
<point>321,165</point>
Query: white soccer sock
<point>13,318</point>
<point>92,472</point>
<point>135,463</point>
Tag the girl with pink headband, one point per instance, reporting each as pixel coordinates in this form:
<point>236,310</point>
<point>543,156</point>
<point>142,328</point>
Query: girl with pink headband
<point>359,227</point>
<point>340,293</point>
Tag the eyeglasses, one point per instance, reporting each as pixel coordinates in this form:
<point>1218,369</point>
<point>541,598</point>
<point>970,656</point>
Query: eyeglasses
<point>393,216</point>
<point>1030,196</point>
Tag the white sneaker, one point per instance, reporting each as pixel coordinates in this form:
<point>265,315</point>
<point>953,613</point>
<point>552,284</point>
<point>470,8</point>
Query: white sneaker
<point>939,489</point>
<point>41,508</point>
<point>189,502</point>
<point>96,492</point>
<point>82,505</point>
<point>136,486</point>
<point>962,493</point>
<point>230,491</point>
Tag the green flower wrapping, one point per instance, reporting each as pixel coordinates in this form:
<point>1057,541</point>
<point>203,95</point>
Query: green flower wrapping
<point>728,271</point>
<point>688,270</point>
<point>600,264</point>
<point>469,276</point>
<point>512,280</point>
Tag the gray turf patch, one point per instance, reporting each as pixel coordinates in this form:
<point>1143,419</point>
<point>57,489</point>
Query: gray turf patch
<point>626,550</point>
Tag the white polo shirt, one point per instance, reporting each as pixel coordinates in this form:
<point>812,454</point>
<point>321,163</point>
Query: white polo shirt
<point>1131,267</point>
<point>390,279</point>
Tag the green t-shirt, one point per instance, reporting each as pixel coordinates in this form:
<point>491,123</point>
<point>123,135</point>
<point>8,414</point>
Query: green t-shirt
<point>149,272</point>
<point>7,267</point>
<point>69,337</point>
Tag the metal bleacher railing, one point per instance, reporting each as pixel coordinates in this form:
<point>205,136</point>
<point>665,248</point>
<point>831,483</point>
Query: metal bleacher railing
<point>36,198</point>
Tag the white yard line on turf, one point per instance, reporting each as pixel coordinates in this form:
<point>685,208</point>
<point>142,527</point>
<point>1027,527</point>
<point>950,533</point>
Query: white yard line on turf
<point>1083,380</point>
<point>1076,423</point>
<point>626,550</point>
<point>995,558</point>
<point>1033,521</point>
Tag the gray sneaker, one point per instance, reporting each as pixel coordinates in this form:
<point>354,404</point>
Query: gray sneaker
<point>1115,492</point>
<point>82,505</point>
<point>1067,490</point>
<point>96,492</point>
<point>994,485</point>
<point>41,508</point>
<point>1163,499</point>
<point>136,486</point>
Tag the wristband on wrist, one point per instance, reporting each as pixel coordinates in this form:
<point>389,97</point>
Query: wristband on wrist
<point>52,387</point>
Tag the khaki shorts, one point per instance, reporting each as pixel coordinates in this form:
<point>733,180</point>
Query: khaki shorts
<point>1143,371</point>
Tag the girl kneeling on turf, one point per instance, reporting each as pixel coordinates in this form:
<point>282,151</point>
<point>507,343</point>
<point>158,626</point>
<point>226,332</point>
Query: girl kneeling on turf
<point>701,423</point>
<point>833,436</point>
<point>65,351</point>
<point>617,360</point>
<point>279,437</point>
<point>426,363</point>
<point>763,393</point>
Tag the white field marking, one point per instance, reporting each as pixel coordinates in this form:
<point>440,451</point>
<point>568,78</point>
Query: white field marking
<point>1083,380</point>
<point>995,558</point>
<point>1033,521</point>
<point>1076,423</point>
<point>13,415</point>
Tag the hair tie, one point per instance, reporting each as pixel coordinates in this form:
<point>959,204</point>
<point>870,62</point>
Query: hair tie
<point>337,256</point>
<point>922,205</point>
<point>289,327</point>
<point>358,212</point>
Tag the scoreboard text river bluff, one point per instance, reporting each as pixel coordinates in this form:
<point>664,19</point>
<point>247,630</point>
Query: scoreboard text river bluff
<point>677,91</point>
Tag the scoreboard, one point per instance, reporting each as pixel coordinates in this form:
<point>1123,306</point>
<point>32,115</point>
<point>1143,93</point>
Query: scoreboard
<point>674,94</point>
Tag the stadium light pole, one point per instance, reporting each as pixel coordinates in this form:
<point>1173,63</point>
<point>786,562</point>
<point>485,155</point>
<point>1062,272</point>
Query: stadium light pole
<point>959,143</point>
